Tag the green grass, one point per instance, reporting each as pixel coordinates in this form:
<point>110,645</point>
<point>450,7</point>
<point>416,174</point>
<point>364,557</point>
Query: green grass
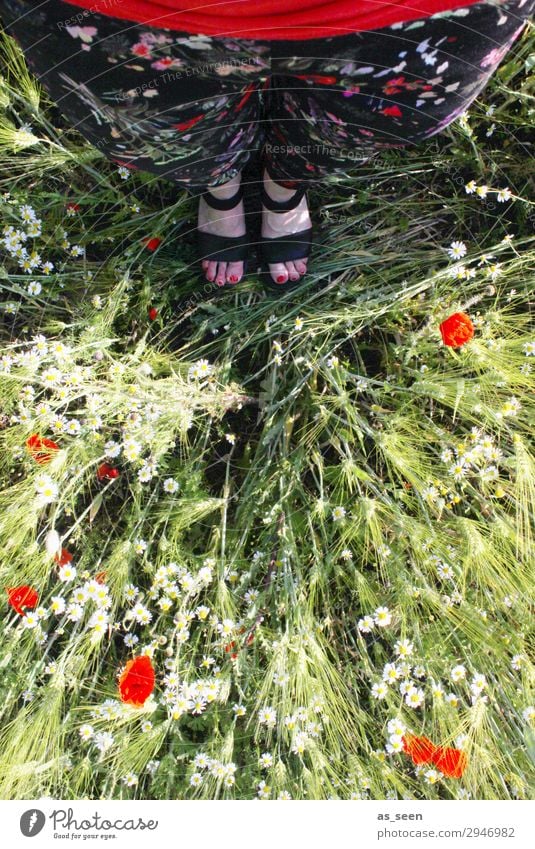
<point>341,397</point>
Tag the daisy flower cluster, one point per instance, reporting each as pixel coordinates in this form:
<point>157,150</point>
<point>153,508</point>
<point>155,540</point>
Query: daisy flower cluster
<point>475,464</point>
<point>85,602</point>
<point>78,396</point>
<point>380,618</point>
<point>481,191</point>
<point>21,242</point>
<point>204,766</point>
<point>479,458</point>
<point>486,264</point>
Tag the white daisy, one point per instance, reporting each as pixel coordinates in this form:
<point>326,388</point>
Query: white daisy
<point>458,673</point>
<point>366,624</point>
<point>338,513</point>
<point>170,485</point>
<point>503,195</point>
<point>457,250</point>
<point>382,617</point>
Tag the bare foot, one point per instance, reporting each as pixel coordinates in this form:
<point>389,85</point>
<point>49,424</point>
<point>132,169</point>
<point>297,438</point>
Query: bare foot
<point>222,222</point>
<point>283,224</point>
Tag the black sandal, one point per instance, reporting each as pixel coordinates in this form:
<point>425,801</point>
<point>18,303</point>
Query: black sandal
<point>223,248</point>
<point>283,248</point>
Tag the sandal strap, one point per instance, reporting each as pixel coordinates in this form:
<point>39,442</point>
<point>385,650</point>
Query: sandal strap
<point>223,248</point>
<point>282,205</point>
<point>286,248</point>
<point>223,203</point>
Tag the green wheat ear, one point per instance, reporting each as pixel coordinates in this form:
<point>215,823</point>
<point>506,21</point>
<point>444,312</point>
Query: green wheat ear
<point>33,751</point>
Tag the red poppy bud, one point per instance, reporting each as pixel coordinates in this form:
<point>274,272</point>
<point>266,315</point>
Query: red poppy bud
<point>151,243</point>
<point>137,680</point>
<point>63,557</point>
<point>153,313</point>
<point>22,597</point>
<point>41,448</point>
<point>419,749</point>
<point>106,472</point>
<point>451,762</point>
<point>456,330</point>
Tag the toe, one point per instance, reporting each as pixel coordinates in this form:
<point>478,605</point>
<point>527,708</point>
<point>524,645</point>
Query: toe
<point>221,273</point>
<point>278,272</point>
<point>293,273</point>
<point>205,264</point>
<point>301,265</point>
<point>234,272</point>
<point>211,271</point>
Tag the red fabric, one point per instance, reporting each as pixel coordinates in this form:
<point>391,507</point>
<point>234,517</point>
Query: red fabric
<point>280,20</point>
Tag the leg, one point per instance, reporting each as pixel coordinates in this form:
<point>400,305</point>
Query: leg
<point>275,224</point>
<point>149,99</point>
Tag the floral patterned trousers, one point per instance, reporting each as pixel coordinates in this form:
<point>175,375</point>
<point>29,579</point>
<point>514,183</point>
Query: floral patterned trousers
<point>195,108</point>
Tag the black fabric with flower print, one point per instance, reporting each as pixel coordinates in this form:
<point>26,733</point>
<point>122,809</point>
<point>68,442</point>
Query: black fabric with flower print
<point>194,109</point>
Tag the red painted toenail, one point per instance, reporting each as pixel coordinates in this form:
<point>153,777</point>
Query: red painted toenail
<point>294,277</point>
<point>281,278</point>
<point>233,279</point>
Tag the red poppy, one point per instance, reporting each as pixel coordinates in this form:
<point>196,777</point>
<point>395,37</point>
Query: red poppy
<point>63,557</point>
<point>22,597</point>
<point>420,749</point>
<point>74,206</point>
<point>229,648</point>
<point>451,762</point>
<point>137,681</point>
<point>152,242</point>
<point>105,472</point>
<point>153,313</point>
<point>456,330</point>
<point>41,448</point>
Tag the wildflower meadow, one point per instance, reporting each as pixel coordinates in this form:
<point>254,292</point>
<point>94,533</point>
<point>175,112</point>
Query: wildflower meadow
<point>258,547</point>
